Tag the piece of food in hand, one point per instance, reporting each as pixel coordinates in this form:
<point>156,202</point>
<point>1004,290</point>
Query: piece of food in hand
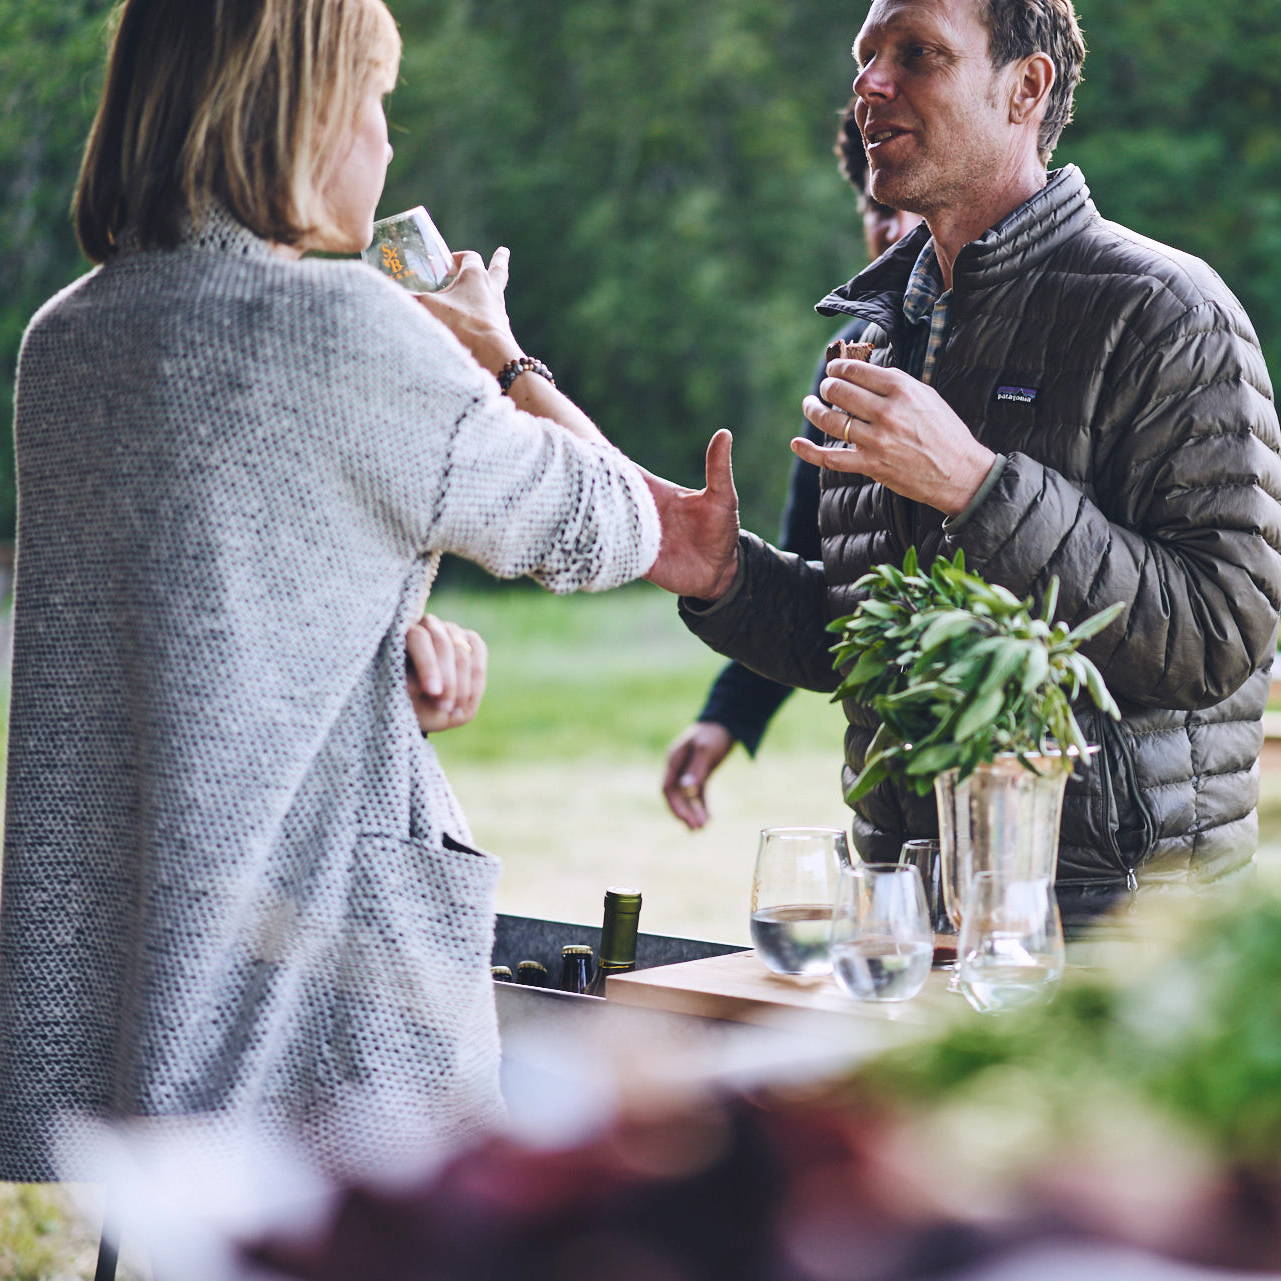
<point>840,349</point>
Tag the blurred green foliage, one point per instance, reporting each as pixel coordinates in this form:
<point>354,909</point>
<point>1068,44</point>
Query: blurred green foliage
<point>662,173</point>
<point>1190,1028</point>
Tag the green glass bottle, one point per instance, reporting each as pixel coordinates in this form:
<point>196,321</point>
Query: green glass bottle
<point>575,968</point>
<point>617,937</point>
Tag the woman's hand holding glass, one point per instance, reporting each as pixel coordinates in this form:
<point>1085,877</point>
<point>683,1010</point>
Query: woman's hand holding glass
<point>445,673</point>
<point>474,308</point>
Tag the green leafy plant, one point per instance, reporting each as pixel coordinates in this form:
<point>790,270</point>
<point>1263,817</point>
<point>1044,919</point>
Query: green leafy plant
<point>960,670</point>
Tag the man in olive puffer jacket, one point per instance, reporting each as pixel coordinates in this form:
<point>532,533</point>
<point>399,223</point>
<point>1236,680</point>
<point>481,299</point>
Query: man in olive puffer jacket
<point>1058,396</point>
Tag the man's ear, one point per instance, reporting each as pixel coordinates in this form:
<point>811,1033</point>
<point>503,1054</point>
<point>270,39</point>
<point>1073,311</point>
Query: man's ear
<point>1032,85</point>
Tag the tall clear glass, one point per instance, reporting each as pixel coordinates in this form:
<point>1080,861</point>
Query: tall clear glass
<point>793,889</point>
<point>882,943</point>
<point>926,855</point>
<point>408,248</point>
<point>1010,952</point>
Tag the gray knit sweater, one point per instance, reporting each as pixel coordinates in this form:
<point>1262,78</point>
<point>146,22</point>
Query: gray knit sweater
<point>236,880</point>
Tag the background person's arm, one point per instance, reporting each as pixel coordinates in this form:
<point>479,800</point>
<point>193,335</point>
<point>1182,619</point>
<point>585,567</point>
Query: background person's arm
<point>741,703</point>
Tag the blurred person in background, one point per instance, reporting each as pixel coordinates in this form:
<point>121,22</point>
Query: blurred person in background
<point>236,881</point>
<point>1056,396</point>
<point>741,703</point>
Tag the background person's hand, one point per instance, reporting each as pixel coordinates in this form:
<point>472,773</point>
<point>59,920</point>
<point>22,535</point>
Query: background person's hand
<point>474,307</point>
<point>698,554</point>
<point>445,673</point>
<point>901,432</point>
<point>691,760</point>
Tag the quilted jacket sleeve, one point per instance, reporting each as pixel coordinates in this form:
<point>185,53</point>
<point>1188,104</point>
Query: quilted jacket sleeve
<point>773,620</point>
<point>1183,523</point>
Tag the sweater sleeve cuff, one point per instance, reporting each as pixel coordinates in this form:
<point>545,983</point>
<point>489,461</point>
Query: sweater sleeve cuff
<point>953,523</point>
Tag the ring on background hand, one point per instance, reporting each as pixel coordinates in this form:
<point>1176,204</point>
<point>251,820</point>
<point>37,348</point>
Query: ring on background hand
<point>690,792</point>
<point>845,431</point>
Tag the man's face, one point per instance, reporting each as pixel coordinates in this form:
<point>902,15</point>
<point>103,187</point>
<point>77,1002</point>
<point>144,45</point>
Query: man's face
<point>934,113</point>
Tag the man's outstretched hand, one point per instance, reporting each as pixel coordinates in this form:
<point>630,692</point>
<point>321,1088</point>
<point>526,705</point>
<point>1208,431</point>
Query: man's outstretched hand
<point>698,555</point>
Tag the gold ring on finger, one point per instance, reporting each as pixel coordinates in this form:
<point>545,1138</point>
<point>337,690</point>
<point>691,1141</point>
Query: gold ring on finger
<point>690,793</point>
<point>845,431</point>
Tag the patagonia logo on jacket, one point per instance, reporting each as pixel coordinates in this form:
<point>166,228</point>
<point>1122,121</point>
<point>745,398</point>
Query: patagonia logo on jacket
<point>1022,395</point>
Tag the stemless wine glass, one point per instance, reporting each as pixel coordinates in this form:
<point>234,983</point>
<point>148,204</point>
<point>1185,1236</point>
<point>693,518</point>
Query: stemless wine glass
<point>793,889</point>
<point>927,857</point>
<point>1011,943</point>
<point>882,944</point>
<point>408,248</point>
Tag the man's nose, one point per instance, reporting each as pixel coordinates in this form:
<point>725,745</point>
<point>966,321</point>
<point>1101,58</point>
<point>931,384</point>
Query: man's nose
<point>874,81</point>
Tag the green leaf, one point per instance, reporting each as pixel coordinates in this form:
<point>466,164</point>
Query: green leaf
<point>1092,626</point>
<point>1036,668</point>
<point>978,715</point>
<point>932,760</point>
<point>946,626</point>
<point>1051,602</point>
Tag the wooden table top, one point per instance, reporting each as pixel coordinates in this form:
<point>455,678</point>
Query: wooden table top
<point>738,987</point>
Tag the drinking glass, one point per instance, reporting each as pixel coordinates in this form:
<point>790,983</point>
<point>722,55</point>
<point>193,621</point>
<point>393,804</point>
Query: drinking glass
<point>1011,943</point>
<point>793,889</point>
<point>927,857</point>
<point>882,944</point>
<point>408,248</point>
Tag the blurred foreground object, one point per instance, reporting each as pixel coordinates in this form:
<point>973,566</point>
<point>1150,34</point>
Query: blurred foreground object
<point>1136,1116</point>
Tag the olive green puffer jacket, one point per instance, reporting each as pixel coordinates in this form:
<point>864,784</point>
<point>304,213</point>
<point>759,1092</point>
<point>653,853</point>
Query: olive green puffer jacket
<point>1124,386</point>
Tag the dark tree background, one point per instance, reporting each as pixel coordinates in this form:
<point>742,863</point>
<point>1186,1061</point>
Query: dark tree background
<point>662,172</point>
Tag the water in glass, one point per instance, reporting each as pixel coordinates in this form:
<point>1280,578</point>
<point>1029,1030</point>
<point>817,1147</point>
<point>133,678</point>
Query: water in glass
<point>1011,950</point>
<point>793,888</point>
<point>882,943</point>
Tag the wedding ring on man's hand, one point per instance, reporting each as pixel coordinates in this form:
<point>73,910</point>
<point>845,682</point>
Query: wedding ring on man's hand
<point>845,431</point>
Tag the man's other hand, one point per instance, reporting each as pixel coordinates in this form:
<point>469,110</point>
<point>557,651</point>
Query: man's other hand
<point>896,430</point>
<point>698,555</point>
<point>445,673</point>
<point>691,760</point>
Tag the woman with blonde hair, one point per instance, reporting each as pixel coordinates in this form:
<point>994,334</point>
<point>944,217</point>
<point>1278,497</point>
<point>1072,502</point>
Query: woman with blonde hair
<point>236,882</point>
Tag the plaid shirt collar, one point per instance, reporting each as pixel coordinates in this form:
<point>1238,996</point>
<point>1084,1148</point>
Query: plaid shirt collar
<point>927,307</point>
<point>924,285</point>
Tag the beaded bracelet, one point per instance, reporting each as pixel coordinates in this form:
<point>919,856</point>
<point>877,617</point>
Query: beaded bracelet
<point>522,365</point>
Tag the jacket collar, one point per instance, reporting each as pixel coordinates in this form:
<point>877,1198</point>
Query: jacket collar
<point>1015,245</point>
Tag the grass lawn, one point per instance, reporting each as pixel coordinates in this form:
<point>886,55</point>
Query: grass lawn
<point>560,773</point>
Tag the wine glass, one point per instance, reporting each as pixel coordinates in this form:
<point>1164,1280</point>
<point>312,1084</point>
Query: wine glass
<point>408,248</point>
<point>926,856</point>
<point>882,943</point>
<point>793,889</point>
<point>1010,952</point>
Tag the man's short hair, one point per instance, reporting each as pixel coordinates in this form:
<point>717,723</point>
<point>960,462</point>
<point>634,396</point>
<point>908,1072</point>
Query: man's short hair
<point>1020,28</point>
<point>239,102</point>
